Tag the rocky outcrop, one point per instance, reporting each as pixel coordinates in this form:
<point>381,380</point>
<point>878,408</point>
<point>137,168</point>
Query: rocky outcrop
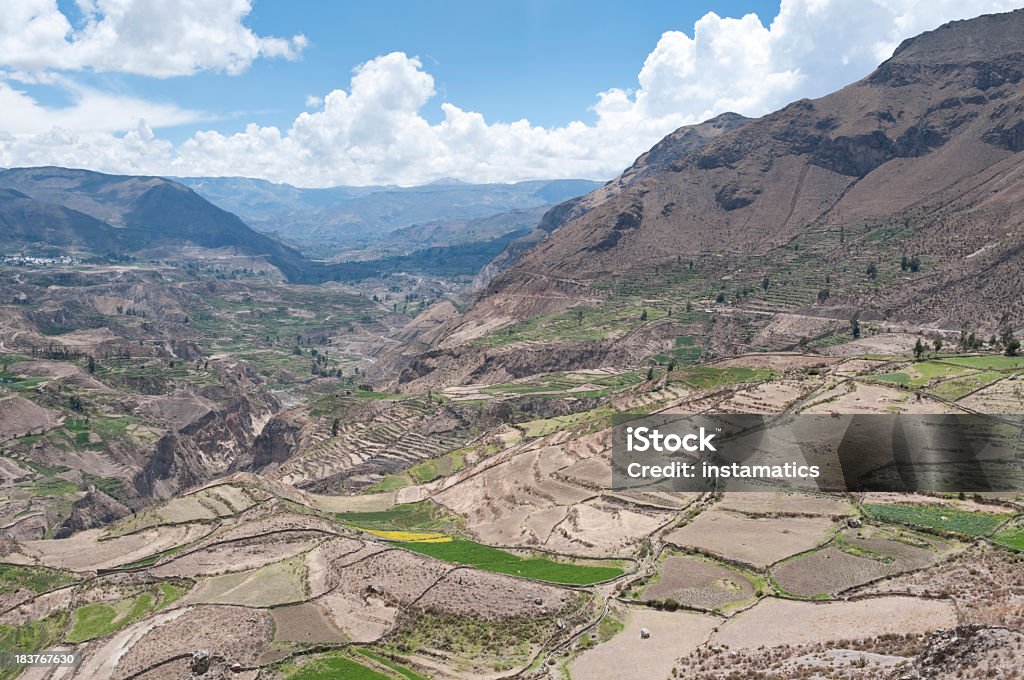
<point>92,510</point>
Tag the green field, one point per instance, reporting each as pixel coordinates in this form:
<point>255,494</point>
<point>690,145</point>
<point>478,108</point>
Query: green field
<point>422,472</point>
<point>36,579</point>
<point>100,618</point>
<point>1011,537</point>
<point>396,667</point>
<point>954,388</point>
<point>995,362</point>
<point>939,517</point>
<point>34,636</point>
<point>331,668</point>
<point>704,377</point>
<point>546,426</point>
<point>487,558</point>
<point>422,516</point>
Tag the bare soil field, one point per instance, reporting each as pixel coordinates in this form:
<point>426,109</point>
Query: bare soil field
<point>827,571</point>
<point>781,361</point>
<point>362,617</point>
<point>853,398</point>
<point>279,583</point>
<point>236,633</point>
<point>883,343</point>
<point>697,582</point>
<point>984,582</point>
<point>85,551</point>
<point>19,416</point>
<point>491,597</point>
<point>325,561</point>
<point>757,542</point>
<point>306,623</point>
<point>783,503</point>
<point>398,575</point>
<point>769,397</point>
<point>672,634</point>
<point>832,570</point>
<point>242,555</point>
<point>859,659</point>
<point>519,500</point>
<point>773,622</point>
<point>1004,396</point>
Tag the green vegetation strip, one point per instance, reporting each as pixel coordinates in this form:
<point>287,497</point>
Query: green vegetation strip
<point>939,517</point>
<point>1011,537</point>
<point>422,516</point>
<point>331,667</point>
<point>398,668</point>
<point>36,579</point>
<point>499,561</point>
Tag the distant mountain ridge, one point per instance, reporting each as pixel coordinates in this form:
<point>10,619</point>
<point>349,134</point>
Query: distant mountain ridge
<point>360,214</point>
<point>98,212</point>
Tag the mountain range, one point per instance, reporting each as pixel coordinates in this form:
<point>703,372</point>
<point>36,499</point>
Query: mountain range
<point>818,209</point>
<point>322,219</point>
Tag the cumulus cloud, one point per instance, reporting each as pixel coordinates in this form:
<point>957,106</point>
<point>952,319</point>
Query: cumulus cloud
<point>148,37</point>
<point>91,111</point>
<point>374,132</point>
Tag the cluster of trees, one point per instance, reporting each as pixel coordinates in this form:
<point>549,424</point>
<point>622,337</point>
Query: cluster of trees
<point>910,263</point>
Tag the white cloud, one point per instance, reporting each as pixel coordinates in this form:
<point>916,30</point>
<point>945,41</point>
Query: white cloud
<point>91,111</point>
<point>375,132</point>
<point>148,37</point>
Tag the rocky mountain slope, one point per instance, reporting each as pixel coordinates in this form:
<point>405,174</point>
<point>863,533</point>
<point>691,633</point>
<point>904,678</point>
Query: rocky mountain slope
<point>898,198</point>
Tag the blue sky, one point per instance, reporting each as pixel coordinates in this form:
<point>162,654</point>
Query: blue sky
<point>540,59</point>
<point>326,93</point>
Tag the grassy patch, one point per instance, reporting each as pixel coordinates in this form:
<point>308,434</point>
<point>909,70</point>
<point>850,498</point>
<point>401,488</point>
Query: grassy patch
<point>704,377</point>
<point>422,516</point>
<point>396,667</point>
<point>422,472</point>
<point>329,667</point>
<point>958,387</point>
<point>101,618</point>
<point>499,561</point>
<point>546,426</point>
<point>34,636</point>
<point>898,378</point>
<point>939,517</point>
<point>996,362</point>
<point>1011,537</point>
<point>36,579</point>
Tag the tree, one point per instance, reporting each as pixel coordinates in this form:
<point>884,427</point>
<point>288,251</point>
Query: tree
<point>91,365</point>
<point>855,326</point>
<point>720,297</point>
<point>334,427</point>
<point>872,271</point>
<point>919,349</point>
<point>937,344</point>
<point>1011,345</point>
<point>765,283</point>
<point>823,294</point>
<point>915,263</point>
<point>643,315</point>
<point>650,374</point>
